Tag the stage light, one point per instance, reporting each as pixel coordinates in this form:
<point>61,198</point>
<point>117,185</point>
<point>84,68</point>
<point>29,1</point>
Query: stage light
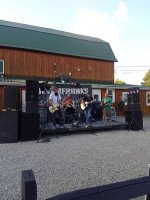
<point>62,81</point>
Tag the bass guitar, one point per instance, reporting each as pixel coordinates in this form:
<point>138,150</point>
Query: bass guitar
<point>85,104</point>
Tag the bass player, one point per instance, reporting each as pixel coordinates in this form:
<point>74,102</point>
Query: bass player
<point>54,107</point>
<point>106,105</point>
<point>86,105</point>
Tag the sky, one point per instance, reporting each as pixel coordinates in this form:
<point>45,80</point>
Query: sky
<point>124,24</point>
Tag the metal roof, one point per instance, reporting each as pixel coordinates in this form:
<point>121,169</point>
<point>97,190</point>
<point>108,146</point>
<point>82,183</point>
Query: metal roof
<point>16,35</point>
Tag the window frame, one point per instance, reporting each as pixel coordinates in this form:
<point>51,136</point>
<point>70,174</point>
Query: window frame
<point>96,92</point>
<point>123,93</point>
<point>2,61</point>
<point>113,94</point>
<point>148,92</point>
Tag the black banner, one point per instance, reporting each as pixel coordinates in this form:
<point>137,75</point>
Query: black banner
<point>75,92</point>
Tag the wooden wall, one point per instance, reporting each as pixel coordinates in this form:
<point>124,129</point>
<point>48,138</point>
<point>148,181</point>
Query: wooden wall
<point>144,107</point>
<point>46,65</point>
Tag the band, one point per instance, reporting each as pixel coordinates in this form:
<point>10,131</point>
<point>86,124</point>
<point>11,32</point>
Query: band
<point>84,109</point>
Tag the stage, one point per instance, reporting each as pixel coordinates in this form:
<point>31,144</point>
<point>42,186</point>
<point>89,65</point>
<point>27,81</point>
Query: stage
<point>47,129</point>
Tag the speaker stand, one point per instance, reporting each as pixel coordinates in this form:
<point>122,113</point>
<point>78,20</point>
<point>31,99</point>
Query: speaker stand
<point>134,121</point>
<point>44,128</point>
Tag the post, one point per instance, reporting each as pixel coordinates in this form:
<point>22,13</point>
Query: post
<point>28,185</point>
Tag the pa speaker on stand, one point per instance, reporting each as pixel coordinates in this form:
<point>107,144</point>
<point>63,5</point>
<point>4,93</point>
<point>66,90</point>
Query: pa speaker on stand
<point>133,115</point>
<point>134,120</point>
<point>133,99</point>
<point>32,91</point>
<point>30,120</point>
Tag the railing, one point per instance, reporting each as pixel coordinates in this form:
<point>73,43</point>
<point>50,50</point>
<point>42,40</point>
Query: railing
<point>124,190</point>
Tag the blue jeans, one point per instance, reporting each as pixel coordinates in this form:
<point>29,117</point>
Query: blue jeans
<point>87,112</point>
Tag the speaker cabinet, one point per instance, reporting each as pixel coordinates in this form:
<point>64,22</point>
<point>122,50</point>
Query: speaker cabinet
<point>11,97</point>
<point>32,90</point>
<point>30,126</point>
<point>136,97</point>
<point>32,107</point>
<point>133,99</point>
<point>134,120</point>
<point>9,126</point>
<point>133,107</point>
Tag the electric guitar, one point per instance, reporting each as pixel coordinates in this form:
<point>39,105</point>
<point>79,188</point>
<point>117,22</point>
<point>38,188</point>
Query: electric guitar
<point>85,104</point>
<point>53,108</point>
<point>105,103</point>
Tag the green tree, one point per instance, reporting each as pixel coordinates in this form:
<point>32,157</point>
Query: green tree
<point>146,79</point>
<point>117,81</point>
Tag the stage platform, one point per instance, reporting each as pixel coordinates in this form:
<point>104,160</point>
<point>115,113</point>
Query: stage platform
<point>80,127</point>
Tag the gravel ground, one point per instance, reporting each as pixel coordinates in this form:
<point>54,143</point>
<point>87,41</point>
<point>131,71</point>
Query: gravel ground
<point>75,161</point>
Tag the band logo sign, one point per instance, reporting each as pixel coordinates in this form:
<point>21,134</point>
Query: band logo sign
<point>74,92</point>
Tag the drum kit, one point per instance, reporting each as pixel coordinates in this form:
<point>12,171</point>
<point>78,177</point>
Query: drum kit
<point>72,111</point>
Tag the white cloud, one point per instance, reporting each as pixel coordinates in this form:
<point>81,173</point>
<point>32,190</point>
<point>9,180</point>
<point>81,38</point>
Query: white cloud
<point>10,15</point>
<point>97,25</point>
<point>102,25</point>
<point>121,15</point>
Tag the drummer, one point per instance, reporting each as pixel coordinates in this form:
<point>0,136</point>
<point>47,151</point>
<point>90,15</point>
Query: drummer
<point>68,101</point>
<point>69,110</point>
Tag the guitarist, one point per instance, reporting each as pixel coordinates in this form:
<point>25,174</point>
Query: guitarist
<point>86,101</point>
<point>54,103</point>
<point>106,105</point>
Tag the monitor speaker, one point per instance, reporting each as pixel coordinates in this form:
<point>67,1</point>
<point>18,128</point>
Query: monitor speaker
<point>9,126</point>
<point>134,120</point>
<point>32,90</point>
<point>11,97</point>
<point>30,126</point>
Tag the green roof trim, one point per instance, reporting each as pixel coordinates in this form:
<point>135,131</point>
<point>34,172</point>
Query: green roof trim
<point>16,35</point>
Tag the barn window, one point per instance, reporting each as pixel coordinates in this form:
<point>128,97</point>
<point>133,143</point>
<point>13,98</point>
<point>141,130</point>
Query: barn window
<point>148,98</point>
<point>1,67</point>
<point>125,97</point>
<point>96,94</point>
<point>111,94</point>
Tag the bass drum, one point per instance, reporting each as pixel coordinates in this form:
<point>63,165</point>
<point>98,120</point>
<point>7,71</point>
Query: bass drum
<point>69,114</point>
<point>70,110</point>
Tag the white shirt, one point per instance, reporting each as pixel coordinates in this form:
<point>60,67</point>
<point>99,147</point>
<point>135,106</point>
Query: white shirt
<point>55,99</point>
